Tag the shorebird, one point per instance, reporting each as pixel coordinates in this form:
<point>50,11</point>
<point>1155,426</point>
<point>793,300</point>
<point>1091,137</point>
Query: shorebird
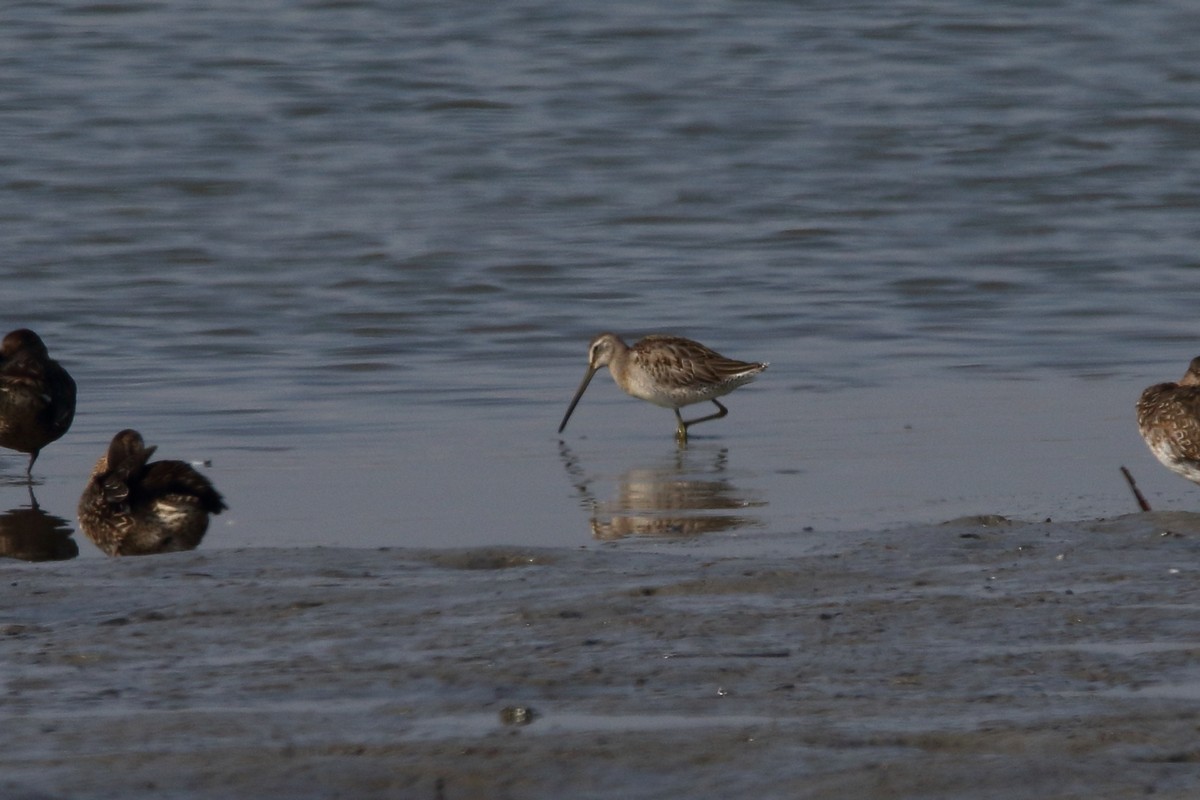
<point>131,508</point>
<point>1168,416</point>
<point>669,371</point>
<point>37,396</point>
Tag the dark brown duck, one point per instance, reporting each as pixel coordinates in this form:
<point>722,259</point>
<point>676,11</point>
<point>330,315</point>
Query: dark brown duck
<point>37,396</point>
<point>132,508</point>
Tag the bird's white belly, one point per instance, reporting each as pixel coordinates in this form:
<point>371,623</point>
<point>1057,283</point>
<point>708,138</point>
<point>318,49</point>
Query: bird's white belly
<point>651,391</point>
<point>1166,454</point>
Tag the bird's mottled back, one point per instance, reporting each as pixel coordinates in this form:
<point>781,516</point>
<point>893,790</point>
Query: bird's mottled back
<point>683,362</point>
<point>1168,417</point>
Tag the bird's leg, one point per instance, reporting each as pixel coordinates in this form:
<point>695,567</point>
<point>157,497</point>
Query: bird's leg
<point>29,467</point>
<point>680,428</point>
<point>722,411</point>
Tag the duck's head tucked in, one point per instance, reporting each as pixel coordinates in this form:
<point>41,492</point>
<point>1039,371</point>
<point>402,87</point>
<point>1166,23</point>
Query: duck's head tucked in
<point>132,507</point>
<point>20,340</point>
<point>1192,376</point>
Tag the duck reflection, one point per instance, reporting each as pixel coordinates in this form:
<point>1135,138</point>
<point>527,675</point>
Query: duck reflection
<point>685,495</point>
<point>30,534</point>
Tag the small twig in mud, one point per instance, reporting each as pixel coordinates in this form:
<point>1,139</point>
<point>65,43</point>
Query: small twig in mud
<point>1141,501</point>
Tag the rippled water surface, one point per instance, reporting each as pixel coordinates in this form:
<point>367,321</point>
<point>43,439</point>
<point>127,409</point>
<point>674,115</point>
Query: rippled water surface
<point>352,253</point>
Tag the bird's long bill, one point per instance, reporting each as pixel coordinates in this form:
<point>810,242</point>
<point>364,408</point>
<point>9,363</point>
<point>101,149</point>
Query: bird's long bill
<point>578,394</point>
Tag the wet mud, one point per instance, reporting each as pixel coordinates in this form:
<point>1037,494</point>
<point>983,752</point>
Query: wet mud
<point>982,658</point>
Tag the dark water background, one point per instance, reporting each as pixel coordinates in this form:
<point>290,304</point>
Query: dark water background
<point>352,253</point>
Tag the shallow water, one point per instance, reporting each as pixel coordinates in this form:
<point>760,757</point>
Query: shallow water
<point>352,253</point>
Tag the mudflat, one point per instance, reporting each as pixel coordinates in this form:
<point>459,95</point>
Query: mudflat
<point>981,658</point>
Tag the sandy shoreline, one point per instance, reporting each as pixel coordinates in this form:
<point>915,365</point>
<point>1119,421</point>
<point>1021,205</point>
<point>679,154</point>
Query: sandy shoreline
<point>978,658</point>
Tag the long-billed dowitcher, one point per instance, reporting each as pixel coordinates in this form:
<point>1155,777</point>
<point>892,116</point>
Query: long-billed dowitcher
<point>37,396</point>
<point>1168,416</point>
<point>669,371</point>
<point>131,508</point>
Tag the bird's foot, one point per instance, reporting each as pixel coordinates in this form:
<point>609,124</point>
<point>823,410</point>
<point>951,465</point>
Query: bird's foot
<point>681,435</point>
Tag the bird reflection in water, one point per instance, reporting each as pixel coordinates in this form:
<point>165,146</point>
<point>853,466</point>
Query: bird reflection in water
<point>30,534</point>
<point>685,495</point>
